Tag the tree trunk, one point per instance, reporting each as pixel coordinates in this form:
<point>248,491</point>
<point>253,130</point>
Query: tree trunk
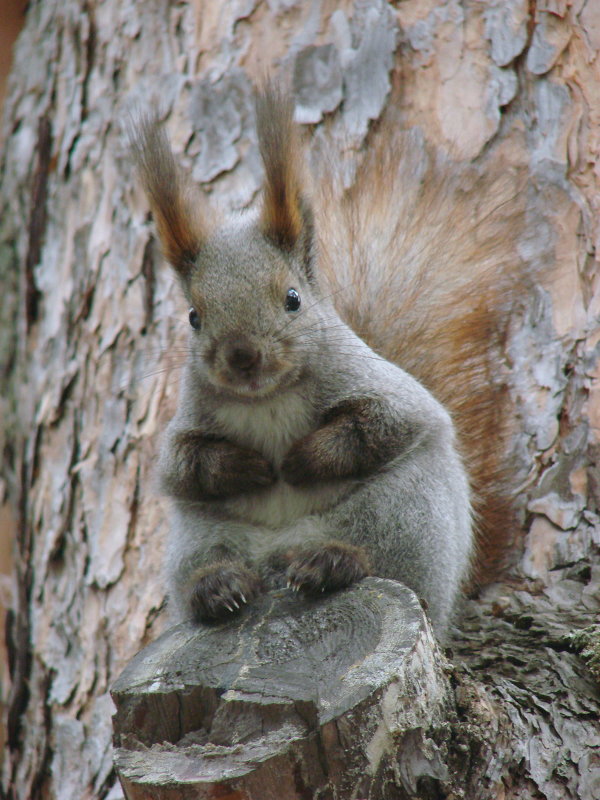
<point>90,342</point>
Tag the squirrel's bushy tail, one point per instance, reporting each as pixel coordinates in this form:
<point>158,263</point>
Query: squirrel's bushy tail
<point>420,259</point>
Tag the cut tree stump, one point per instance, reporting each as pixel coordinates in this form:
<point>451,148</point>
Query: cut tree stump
<point>293,699</point>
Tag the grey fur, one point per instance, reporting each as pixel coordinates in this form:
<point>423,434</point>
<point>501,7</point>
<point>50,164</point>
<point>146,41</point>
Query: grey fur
<point>412,516</point>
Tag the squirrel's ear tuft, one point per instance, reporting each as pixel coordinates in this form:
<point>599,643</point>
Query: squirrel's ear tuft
<point>176,212</point>
<point>286,217</point>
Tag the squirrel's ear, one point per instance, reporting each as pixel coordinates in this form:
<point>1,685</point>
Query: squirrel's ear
<point>179,222</point>
<point>286,217</point>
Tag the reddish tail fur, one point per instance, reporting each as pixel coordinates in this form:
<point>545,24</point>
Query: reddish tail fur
<point>421,263</point>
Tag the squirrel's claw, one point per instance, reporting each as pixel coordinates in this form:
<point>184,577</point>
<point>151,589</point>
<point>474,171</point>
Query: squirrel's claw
<point>223,589</point>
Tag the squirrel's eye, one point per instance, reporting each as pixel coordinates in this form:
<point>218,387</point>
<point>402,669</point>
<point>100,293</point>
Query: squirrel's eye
<point>194,319</point>
<point>292,300</point>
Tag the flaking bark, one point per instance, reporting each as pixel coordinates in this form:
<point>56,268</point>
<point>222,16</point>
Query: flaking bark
<point>90,343</point>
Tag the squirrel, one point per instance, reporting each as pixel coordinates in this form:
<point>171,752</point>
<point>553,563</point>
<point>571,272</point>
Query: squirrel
<point>303,454</point>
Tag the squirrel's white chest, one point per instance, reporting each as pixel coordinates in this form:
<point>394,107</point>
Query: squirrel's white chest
<point>271,427</point>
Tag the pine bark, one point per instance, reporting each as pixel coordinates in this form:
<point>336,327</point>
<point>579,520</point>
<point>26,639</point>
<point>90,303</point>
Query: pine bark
<point>92,325</point>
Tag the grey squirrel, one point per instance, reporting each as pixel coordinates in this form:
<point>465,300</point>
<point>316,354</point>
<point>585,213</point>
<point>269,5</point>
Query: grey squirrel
<point>299,454</point>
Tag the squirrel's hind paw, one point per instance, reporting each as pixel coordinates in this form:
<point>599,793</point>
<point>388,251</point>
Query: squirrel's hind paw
<point>326,568</point>
<point>222,590</point>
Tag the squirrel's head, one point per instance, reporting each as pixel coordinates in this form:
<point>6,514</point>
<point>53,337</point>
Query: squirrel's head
<point>255,314</point>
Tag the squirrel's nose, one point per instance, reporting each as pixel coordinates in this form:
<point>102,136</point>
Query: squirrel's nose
<point>243,357</point>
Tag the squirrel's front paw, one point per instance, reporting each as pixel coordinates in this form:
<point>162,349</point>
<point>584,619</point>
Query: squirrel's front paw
<point>326,568</point>
<point>234,470</point>
<point>201,467</point>
<point>221,590</point>
<point>300,465</point>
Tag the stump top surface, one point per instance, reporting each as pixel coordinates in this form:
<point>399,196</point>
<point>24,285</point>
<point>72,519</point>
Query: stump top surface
<point>291,685</point>
<point>329,653</point>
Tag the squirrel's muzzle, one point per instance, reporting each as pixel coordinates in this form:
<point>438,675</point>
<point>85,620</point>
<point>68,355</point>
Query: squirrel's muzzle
<point>248,366</point>
<point>243,358</point>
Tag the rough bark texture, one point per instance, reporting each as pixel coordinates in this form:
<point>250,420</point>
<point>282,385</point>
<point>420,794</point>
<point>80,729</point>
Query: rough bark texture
<point>349,697</point>
<point>90,341</point>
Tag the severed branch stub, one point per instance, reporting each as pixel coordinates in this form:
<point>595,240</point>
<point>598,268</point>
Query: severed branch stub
<point>330,698</point>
